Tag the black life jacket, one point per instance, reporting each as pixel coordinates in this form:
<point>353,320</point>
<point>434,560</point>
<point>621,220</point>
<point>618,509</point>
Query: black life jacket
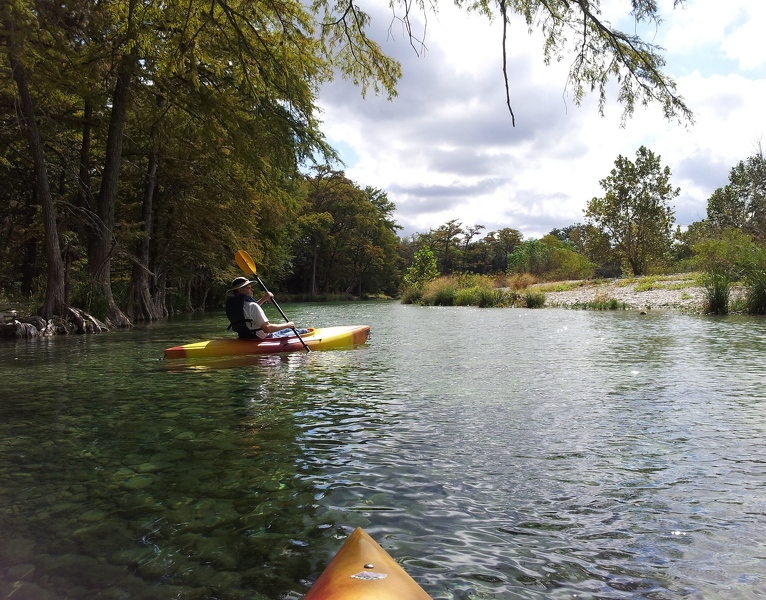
<point>235,311</point>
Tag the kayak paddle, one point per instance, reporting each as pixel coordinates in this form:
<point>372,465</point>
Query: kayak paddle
<point>248,266</point>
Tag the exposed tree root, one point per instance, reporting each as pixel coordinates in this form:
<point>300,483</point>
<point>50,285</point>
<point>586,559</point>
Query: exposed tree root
<point>72,320</point>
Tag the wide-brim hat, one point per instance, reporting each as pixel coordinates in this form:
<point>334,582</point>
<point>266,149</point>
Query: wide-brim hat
<point>238,283</point>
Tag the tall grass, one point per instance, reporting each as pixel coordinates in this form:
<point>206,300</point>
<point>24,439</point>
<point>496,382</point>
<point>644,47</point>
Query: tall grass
<point>534,300</point>
<point>464,290</point>
<point>496,297</point>
<point>717,283</point>
<point>755,299</point>
<point>411,294</point>
<point>517,281</point>
<point>601,302</point>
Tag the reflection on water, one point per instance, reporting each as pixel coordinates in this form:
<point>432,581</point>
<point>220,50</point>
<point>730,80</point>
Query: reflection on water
<point>495,453</point>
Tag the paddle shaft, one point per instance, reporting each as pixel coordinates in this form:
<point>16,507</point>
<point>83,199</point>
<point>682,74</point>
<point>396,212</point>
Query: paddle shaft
<point>284,316</point>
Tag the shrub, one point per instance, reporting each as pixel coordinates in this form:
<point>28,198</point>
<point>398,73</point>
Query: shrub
<point>534,300</point>
<point>461,290</point>
<point>467,296</point>
<point>496,298</point>
<point>440,292</point>
<point>609,304</point>
<point>411,294</point>
<point>755,300</point>
<point>602,302</point>
<point>717,283</point>
<point>422,270</point>
<point>521,281</point>
<point>647,284</point>
<point>567,263</point>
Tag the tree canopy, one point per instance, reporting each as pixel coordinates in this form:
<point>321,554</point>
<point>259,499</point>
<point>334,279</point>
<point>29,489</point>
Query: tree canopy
<point>635,212</point>
<point>741,203</point>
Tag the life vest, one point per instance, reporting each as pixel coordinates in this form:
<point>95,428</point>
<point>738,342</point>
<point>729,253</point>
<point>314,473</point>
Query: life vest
<point>235,311</point>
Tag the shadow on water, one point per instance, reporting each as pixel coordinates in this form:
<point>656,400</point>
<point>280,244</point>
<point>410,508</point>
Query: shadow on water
<point>495,453</point>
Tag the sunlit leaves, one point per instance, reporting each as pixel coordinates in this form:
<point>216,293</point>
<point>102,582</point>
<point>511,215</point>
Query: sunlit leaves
<point>742,202</point>
<point>575,30</point>
<point>348,237</point>
<point>347,47</point>
<point>635,212</point>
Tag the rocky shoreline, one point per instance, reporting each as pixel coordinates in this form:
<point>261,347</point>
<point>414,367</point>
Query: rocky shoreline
<point>679,293</point>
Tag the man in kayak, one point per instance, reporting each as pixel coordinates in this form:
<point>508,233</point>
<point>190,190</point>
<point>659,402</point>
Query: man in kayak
<point>245,314</point>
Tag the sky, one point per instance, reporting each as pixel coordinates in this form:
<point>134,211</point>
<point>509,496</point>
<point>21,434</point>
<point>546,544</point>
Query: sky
<point>445,149</point>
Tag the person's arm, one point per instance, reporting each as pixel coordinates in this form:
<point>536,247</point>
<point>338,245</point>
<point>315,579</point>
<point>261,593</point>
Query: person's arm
<point>269,328</point>
<point>260,321</point>
<point>265,298</point>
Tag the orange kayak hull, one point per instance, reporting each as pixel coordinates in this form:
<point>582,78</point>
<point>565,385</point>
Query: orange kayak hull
<point>322,338</point>
<point>363,570</point>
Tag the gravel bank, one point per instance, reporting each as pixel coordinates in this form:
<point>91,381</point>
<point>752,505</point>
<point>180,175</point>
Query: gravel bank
<point>669,293</point>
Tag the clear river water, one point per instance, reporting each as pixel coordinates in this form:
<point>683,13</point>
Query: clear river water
<point>495,453</point>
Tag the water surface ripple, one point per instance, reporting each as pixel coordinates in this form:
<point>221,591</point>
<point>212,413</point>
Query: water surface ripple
<point>495,453</point>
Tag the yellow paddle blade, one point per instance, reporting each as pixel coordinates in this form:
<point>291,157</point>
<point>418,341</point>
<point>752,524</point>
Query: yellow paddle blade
<point>245,262</point>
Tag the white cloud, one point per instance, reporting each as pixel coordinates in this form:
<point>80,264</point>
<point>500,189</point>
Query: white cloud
<point>444,148</point>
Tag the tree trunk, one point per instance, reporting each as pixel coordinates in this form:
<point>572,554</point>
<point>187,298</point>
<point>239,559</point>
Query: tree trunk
<point>84,192</point>
<point>54,293</point>
<point>314,291</point>
<point>141,303</point>
<point>101,242</point>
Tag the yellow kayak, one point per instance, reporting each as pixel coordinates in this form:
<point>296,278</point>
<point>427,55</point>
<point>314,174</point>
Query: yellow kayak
<point>322,338</point>
<point>362,570</point>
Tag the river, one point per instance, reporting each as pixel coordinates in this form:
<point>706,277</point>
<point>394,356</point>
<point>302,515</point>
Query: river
<point>496,453</point>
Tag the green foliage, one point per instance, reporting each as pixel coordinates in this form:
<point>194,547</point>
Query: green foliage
<point>463,290</point>
<point>440,292</point>
<point>565,261</point>
<point>495,298</point>
<point>723,261</point>
<point>499,245</point>
<point>741,204</point>
<point>717,282</point>
<point>520,281</point>
<point>345,239</point>
<point>635,213</point>
<point>733,257</point>
<point>531,256</point>
<point>684,243</point>
<point>411,295</point>
<point>445,243</point>
<point>423,269</point>
<point>223,107</point>
<point>480,291</point>
<point>534,300</point>
<point>549,258</point>
<point>601,302</point>
<point>755,281</point>
<point>90,298</point>
<point>468,296</point>
<point>728,252</point>
<point>458,249</point>
<point>756,292</point>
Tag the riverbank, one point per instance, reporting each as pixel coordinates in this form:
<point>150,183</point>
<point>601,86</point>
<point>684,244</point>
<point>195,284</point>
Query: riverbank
<point>680,292</point>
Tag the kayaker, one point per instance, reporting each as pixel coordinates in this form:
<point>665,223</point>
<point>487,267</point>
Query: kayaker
<point>245,314</point>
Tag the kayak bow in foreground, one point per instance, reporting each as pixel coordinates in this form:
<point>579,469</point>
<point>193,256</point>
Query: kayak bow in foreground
<point>363,570</point>
<point>322,338</point>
